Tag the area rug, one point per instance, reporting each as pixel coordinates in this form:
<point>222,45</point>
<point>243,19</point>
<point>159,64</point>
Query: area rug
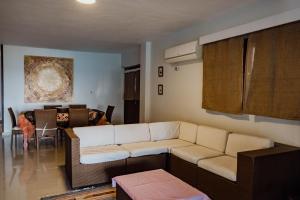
<point>86,194</point>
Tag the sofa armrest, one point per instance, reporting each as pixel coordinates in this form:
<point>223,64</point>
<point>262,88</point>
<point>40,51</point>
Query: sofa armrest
<point>269,173</point>
<point>72,148</point>
<point>277,149</point>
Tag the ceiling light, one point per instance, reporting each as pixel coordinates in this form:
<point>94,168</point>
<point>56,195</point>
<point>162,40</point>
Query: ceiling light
<point>87,1</point>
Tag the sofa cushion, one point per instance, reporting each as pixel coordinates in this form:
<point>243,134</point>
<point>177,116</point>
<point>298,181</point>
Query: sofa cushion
<point>164,130</point>
<point>238,143</point>
<point>131,133</point>
<point>225,166</point>
<point>95,135</point>
<point>213,138</point>
<point>173,143</point>
<point>194,153</point>
<point>188,132</point>
<point>144,148</point>
<point>100,154</point>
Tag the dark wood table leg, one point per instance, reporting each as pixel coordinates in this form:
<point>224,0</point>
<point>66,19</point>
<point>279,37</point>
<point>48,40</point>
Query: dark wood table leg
<point>121,194</point>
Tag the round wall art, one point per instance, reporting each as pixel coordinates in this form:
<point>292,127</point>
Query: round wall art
<point>48,79</point>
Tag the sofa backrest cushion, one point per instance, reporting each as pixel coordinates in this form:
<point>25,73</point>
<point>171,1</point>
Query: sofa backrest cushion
<point>95,135</point>
<point>213,138</point>
<point>188,132</point>
<point>131,133</point>
<point>164,130</point>
<point>239,142</point>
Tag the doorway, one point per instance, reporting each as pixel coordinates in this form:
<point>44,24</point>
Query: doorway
<point>132,94</point>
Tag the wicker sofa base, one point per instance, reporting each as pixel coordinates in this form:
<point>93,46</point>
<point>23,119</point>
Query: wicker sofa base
<point>91,174</point>
<point>217,187</point>
<point>211,184</point>
<point>82,175</point>
<point>184,170</point>
<point>261,175</point>
<point>144,163</point>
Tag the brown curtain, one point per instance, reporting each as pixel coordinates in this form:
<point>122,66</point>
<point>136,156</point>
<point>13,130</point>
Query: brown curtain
<point>272,79</point>
<point>223,75</point>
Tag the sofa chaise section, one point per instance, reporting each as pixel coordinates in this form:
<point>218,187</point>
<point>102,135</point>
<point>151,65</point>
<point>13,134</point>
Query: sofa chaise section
<point>183,135</point>
<point>92,157</point>
<point>265,174</point>
<point>210,142</point>
<point>144,154</point>
<point>226,165</point>
<point>135,138</point>
<point>237,175</point>
<point>144,149</point>
<point>101,154</point>
<point>194,153</point>
<point>154,154</point>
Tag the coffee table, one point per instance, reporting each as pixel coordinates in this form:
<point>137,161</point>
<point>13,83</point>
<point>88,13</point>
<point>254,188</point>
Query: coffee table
<point>155,185</point>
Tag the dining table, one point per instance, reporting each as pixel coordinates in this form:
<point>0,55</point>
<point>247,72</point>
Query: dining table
<point>62,117</point>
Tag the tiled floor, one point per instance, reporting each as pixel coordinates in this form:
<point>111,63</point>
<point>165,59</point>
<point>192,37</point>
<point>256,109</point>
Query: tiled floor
<point>31,175</point>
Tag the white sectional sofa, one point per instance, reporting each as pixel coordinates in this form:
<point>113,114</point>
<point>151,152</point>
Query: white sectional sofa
<point>226,165</point>
<point>110,143</point>
<point>95,154</point>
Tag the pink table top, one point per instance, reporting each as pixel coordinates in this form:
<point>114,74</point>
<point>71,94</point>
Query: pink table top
<point>157,185</point>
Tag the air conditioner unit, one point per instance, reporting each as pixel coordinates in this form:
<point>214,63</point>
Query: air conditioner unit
<point>183,53</point>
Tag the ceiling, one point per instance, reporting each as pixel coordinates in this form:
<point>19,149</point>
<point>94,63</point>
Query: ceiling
<point>108,25</point>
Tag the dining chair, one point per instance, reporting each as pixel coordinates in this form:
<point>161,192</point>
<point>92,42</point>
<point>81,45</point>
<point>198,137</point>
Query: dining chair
<point>46,107</point>
<point>77,106</point>
<point>78,117</point>
<point>109,112</point>
<point>46,127</point>
<point>15,130</point>
<point>94,116</point>
<point>62,110</point>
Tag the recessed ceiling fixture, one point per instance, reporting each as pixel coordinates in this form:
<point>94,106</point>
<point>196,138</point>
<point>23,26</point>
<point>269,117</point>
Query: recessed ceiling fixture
<point>87,1</point>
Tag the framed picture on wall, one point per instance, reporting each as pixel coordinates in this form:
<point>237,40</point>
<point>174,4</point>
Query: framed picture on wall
<point>56,75</point>
<point>160,71</point>
<point>160,89</point>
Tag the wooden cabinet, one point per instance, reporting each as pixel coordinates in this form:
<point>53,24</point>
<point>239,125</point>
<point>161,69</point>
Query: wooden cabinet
<point>132,97</point>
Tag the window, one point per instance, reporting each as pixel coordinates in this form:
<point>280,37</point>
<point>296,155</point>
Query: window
<point>267,82</point>
<point>272,79</point>
<point>223,75</point>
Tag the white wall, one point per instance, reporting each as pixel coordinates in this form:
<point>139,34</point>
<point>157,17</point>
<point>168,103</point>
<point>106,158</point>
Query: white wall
<point>145,91</point>
<point>182,97</point>
<point>141,55</point>
<point>0,87</point>
<point>97,80</point>
<point>131,56</point>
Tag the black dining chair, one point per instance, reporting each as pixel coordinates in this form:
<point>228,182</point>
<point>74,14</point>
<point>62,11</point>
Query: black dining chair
<point>78,117</point>
<point>109,112</point>
<point>46,107</point>
<point>15,130</point>
<point>77,106</point>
